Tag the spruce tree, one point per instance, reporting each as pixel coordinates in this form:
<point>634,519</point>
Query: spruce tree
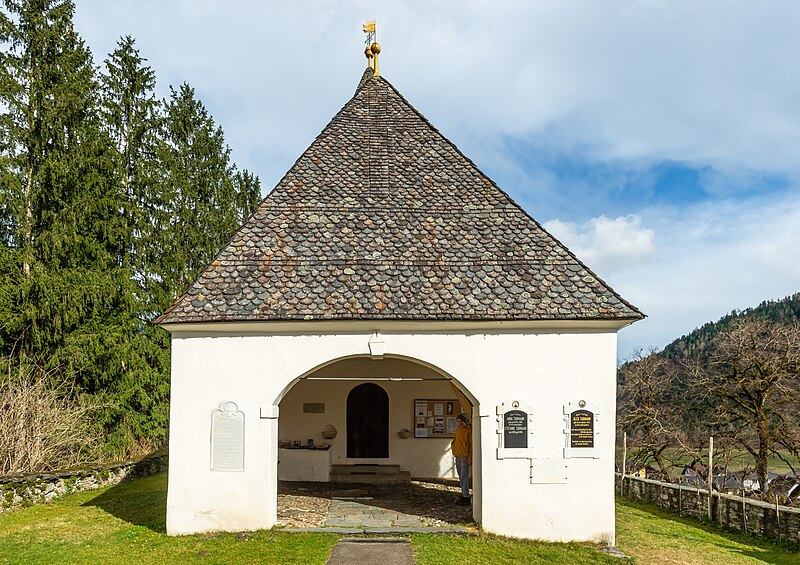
<point>140,361</point>
<point>59,269</point>
<point>110,204</point>
<point>247,188</point>
<point>68,279</point>
<point>199,210</point>
<point>130,116</point>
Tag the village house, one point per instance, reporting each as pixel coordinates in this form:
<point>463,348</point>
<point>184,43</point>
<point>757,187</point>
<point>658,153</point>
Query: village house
<point>383,287</point>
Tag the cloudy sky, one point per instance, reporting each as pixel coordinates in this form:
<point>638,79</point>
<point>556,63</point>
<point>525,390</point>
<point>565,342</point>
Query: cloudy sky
<point>658,139</point>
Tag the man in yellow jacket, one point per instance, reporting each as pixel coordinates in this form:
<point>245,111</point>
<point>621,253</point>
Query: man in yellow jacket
<point>462,451</point>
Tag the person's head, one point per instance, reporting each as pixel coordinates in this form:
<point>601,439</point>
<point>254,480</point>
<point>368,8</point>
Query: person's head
<point>461,421</point>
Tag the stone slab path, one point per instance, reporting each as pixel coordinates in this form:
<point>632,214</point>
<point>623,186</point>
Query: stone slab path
<point>374,519</point>
<point>361,509</point>
<point>369,551</point>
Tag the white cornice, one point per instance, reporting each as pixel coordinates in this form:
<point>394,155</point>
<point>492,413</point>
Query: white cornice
<point>317,327</point>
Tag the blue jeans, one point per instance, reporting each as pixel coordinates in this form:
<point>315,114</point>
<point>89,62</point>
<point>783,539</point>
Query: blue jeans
<point>462,467</point>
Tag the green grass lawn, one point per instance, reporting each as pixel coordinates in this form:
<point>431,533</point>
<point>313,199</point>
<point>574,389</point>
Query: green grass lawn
<point>125,524</point>
<point>653,536</point>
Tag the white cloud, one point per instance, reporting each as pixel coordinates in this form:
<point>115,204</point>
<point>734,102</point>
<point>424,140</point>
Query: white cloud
<point>693,264</point>
<point>606,245</point>
<point>712,258</point>
<point>710,83</point>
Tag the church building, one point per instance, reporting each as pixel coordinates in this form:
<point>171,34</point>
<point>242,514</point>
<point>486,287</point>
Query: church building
<point>385,286</point>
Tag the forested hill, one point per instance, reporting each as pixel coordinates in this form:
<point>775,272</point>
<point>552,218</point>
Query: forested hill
<point>697,341</point>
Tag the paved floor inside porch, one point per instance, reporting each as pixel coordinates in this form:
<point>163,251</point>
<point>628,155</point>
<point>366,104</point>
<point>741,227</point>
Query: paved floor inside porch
<point>421,506</point>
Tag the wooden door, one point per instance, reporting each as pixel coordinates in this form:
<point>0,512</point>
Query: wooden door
<point>367,422</point>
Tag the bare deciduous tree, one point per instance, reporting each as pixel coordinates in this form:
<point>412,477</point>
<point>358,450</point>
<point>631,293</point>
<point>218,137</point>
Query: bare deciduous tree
<point>751,386</point>
<point>648,408</point>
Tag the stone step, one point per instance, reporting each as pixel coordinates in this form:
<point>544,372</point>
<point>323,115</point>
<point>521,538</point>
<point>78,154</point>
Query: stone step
<point>402,477</point>
<point>365,469</point>
<point>369,474</point>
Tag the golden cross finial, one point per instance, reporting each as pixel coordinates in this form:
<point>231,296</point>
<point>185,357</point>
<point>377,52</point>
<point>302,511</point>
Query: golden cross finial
<point>373,49</point>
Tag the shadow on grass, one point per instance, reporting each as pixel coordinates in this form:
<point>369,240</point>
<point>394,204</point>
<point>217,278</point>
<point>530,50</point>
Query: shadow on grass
<point>140,502</point>
<point>760,549</point>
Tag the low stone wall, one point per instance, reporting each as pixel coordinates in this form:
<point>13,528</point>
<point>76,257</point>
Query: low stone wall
<point>734,513</point>
<point>22,490</point>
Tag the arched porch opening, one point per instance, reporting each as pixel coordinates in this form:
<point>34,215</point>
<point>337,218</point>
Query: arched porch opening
<point>313,409</point>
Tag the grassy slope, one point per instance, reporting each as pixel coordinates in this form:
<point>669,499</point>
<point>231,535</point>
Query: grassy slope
<point>125,524</point>
<point>653,536</point>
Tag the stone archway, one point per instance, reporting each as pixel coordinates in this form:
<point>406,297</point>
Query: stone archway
<point>404,379</point>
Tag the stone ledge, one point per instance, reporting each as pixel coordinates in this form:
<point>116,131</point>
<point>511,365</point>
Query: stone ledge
<point>20,490</point>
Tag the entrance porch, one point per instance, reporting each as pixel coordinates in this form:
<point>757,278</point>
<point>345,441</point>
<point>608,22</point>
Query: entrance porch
<point>417,506</point>
<point>359,418</point>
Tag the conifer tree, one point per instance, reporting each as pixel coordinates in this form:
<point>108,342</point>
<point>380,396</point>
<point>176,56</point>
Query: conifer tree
<point>247,187</point>
<point>110,204</point>
<point>59,269</point>
<point>130,116</point>
<point>140,360</point>
<point>200,202</point>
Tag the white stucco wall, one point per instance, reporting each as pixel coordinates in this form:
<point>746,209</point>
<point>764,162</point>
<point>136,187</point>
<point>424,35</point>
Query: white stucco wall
<point>544,368</point>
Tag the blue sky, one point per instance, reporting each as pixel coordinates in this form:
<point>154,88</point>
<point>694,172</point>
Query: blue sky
<point>658,139</point>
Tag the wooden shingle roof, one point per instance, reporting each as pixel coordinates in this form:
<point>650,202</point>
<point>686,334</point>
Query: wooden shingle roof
<point>383,218</point>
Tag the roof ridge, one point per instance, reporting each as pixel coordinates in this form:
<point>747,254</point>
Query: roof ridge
<point>510,199</point>
<point>369,72</point>
<point>392,261</point>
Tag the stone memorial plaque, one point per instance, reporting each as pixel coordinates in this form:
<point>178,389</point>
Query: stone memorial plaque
<point>227,438</point>
<point>515,429</point>
<point>581,429</point>
<point>313,407</point>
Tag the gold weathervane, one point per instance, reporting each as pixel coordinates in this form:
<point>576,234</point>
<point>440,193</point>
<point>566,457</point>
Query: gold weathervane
<point>373,49</point>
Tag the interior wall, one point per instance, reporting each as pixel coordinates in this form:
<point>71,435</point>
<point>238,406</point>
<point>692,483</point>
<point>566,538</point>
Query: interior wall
<point>422,457</point>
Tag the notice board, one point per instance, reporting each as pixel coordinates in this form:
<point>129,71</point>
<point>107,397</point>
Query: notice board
<point>435,418</point>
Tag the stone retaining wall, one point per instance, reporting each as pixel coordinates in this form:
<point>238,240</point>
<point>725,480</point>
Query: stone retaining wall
<point>735,513</point>
<point>22,490</point>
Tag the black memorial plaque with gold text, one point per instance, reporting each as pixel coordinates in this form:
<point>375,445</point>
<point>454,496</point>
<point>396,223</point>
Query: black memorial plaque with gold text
<point>515,429</point>
<point>581,429</point>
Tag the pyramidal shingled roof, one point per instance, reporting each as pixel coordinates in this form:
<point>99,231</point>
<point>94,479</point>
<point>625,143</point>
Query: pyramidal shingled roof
<point>382,218</point>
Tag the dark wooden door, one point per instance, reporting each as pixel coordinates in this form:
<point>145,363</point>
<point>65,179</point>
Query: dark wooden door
<point>367,422</point>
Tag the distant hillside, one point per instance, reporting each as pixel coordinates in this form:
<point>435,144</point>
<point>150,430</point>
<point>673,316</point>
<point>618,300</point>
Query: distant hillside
<point>697,341</point>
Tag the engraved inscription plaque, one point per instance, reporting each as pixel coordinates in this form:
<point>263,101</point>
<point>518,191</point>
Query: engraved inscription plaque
<point>515,429</point>
<point>227,438</point>
<point>313,407</point>
<point>581,429</point>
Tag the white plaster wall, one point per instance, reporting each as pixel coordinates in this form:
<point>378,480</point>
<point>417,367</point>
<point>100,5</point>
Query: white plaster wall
<point>545,369</point>
<point>422,457</point>
<point>197,498</point>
